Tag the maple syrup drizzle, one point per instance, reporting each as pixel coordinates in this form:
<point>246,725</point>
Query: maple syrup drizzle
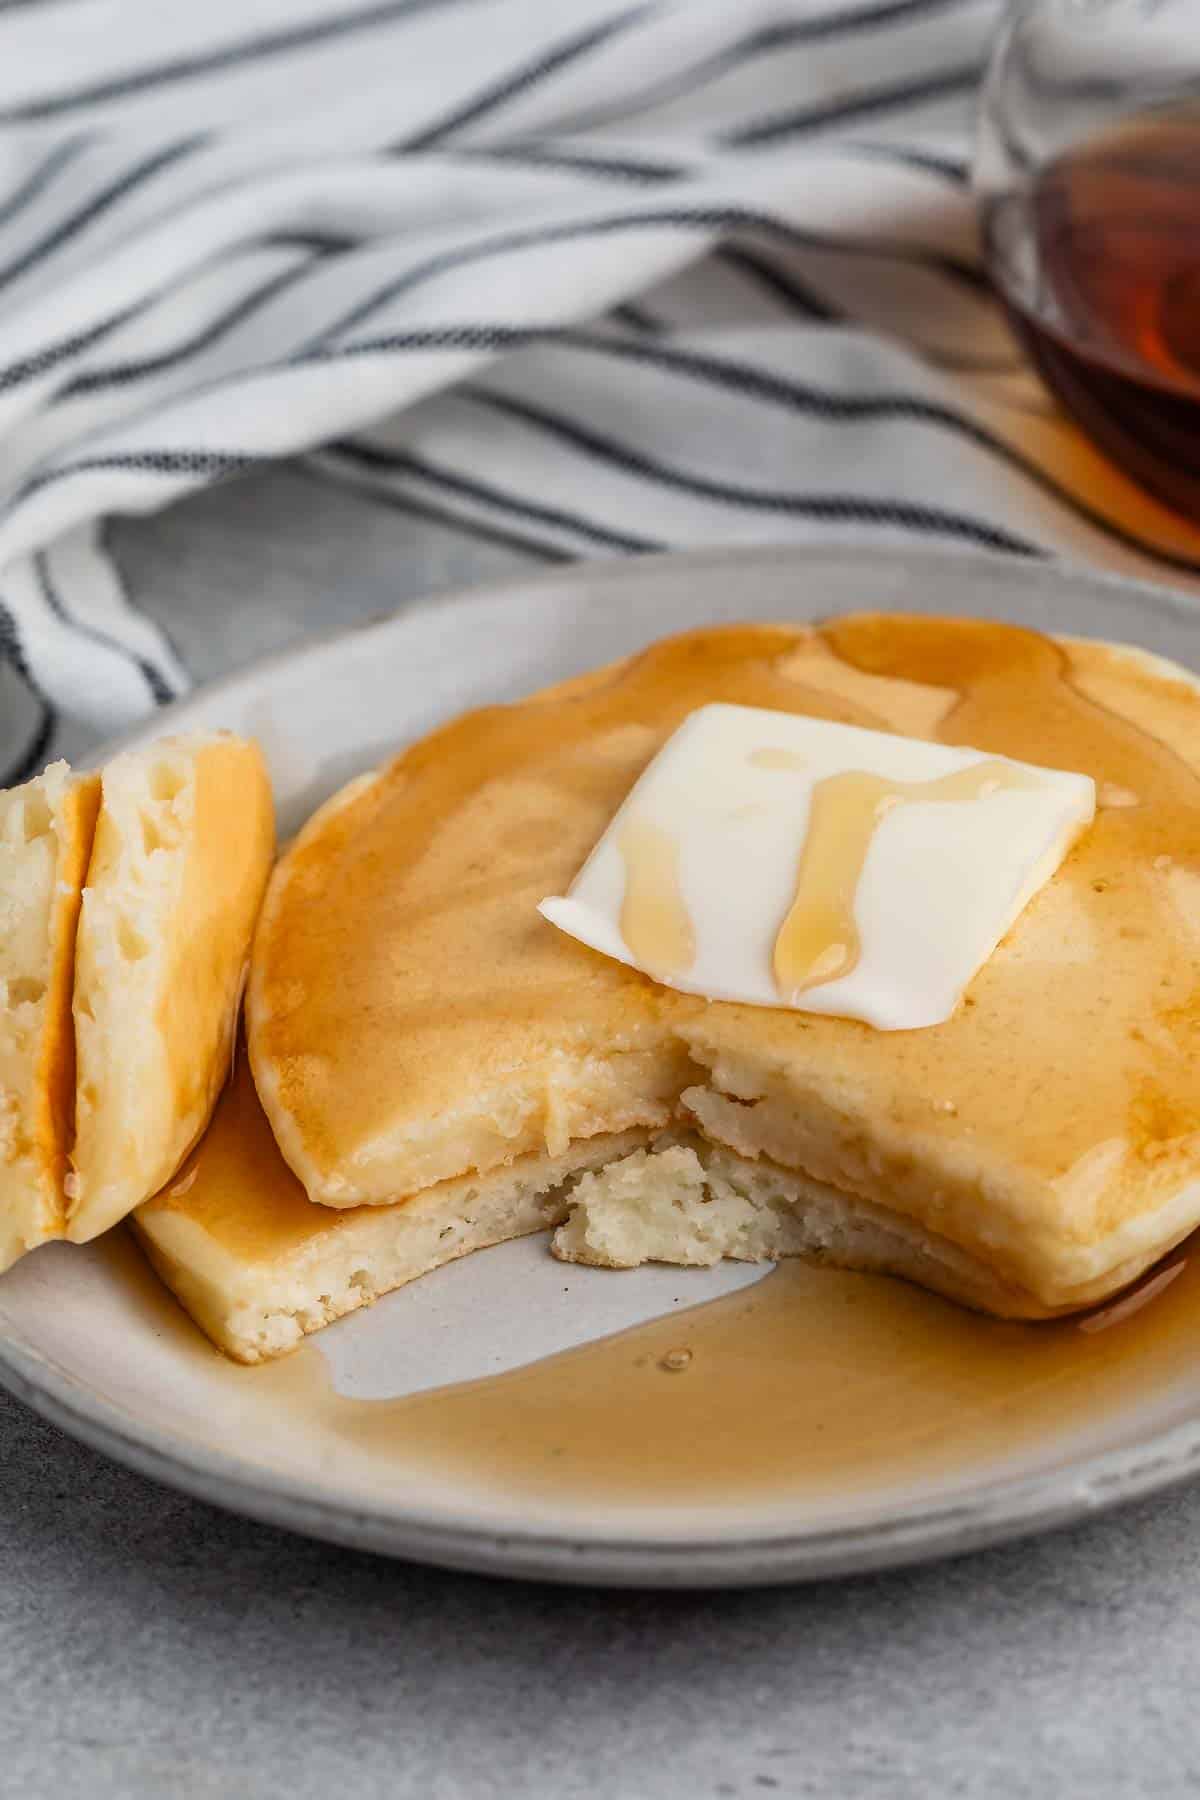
<point>655,922</point>
<point>819,940</point>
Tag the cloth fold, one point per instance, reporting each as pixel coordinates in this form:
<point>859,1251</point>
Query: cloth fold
<point>603,278</point>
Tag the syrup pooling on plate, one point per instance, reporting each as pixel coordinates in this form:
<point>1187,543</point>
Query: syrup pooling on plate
<point>811,1381</point>
<point>819,939</point>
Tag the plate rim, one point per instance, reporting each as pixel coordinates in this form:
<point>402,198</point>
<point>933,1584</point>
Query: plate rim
<point>997,1511</point>
<point>1000,1512</point>
<point>617,570</point>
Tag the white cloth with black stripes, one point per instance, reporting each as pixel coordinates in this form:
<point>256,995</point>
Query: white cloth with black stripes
<point>590,275</point>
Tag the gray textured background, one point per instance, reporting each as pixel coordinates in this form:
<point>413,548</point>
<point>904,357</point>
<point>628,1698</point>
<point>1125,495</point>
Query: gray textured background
<point>151,1646</point>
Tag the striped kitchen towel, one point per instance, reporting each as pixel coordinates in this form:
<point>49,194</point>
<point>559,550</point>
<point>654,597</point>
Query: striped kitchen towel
<point>598,276</point>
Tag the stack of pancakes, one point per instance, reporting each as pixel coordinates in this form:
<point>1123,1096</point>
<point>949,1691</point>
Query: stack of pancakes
<point>432,1067</point>
<point>127,903</point>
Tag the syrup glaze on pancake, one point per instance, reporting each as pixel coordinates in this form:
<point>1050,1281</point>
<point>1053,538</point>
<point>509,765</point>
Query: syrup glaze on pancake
<point>411,1016</point>
<point>1065,1093</point>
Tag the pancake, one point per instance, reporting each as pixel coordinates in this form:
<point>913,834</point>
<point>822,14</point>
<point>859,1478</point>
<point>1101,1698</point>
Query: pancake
<point>258,1265</point>
<point>413,1021</point>
<point>183,847</point>
<point>46,831</point>
<point>1052,1126</point>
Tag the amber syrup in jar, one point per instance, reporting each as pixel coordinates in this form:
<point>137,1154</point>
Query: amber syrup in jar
<point>1111,314</point>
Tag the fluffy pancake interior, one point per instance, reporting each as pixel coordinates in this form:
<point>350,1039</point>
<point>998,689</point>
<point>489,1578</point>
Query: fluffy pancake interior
<point>691,1202</point>
<point>183,847</point>
<point>46,831</point>
<point>412,1018</point>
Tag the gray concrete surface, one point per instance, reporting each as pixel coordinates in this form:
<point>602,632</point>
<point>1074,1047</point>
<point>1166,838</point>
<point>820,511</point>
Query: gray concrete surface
<point>150,1646</point>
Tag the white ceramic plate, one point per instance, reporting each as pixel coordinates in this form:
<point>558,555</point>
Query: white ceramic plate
<point>76,1343</point>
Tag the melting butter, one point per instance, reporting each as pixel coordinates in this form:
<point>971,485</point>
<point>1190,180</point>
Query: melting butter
<point>695,880</point>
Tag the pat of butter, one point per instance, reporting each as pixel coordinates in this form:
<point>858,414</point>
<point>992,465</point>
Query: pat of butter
<point>786,861</point>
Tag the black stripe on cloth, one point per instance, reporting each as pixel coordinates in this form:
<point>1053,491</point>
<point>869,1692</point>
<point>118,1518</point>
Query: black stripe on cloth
<point>961,80</point>
<point>368,456</point>
<point>839,407</point>
<point>29,367</point>
<point>123,374</point>
<point>322,243</point>
<point>465,523</point>
<point>212,465</point>
<point>915,516</point>
<point>699,218</point>
<point>765,40</point>
<point>637,318</point>
<point>208,464</point>
<point>726,373</point>
<point>125,184</point>
<point>930,162</point>
<point>519,81</point>
<point>210,62</point>
<point>796,295</point>
<point>160,690</point>
<point>33,757</point>
<point>579,162</point>
<point>40,178</point>
<point>425,337</point>
<point>841,22</point>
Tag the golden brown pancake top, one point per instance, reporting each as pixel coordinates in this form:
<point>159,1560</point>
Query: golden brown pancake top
<point>409,1007</point>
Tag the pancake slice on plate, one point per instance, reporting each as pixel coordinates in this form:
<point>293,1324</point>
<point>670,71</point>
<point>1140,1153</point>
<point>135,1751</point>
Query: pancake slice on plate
<point>183,847</point>
<point>258,1264</point>
<point>46,831</point>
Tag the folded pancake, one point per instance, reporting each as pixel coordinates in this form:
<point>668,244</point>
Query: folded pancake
<point>258,1264</point>
<point>413,1021</point>
<point>46,831</point>
<point>183,846</point>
